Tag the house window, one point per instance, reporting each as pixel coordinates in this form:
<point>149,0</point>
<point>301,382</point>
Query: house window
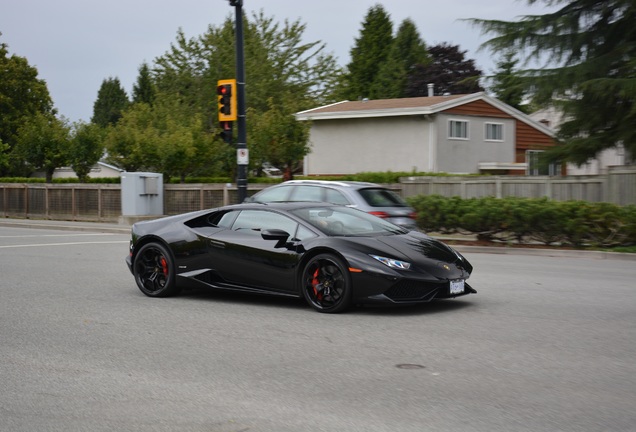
<point>536,167</point>
<point>494,132</point>
<point>458,129</point>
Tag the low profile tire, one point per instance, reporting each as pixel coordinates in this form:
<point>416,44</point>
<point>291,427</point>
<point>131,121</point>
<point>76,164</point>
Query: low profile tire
<point>154,271</point>
<point>326,284</point>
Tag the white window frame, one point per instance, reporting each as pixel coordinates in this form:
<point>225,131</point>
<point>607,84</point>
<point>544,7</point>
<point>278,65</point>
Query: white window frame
<point>451,129</point>
<point>554,169</point>
<point>500,128</point>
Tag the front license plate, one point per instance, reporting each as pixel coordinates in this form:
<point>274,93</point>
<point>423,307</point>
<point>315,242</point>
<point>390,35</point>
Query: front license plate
<point>457,287</point>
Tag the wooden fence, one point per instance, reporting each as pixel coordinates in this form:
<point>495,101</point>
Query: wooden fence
<point>61,201</point>
<point>91,202</point>
<point>618,186</point>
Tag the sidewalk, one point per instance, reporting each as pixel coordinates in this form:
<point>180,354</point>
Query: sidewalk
<point>105,227</point>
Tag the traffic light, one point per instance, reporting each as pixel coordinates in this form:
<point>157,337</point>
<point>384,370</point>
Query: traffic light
<point>226,131</point>
<point>226,91</point>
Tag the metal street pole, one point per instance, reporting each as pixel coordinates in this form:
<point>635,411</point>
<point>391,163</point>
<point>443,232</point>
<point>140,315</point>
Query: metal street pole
<point>242,153</point>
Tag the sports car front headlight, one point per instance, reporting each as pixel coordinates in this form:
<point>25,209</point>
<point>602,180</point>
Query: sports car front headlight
<point>393,263</point>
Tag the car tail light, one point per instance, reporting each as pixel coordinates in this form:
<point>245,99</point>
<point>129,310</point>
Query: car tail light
<point>380,214</point>
<point>413,215</point>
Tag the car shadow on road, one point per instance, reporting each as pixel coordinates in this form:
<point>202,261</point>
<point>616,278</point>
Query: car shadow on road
<point>266,300</point>
<point>434,307</point>
<point>223,296</point>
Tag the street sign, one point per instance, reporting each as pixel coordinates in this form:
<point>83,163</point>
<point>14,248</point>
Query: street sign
<point>242,156</point>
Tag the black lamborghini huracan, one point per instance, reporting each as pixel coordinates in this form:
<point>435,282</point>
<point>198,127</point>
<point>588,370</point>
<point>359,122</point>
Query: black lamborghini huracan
<point>333,256</point>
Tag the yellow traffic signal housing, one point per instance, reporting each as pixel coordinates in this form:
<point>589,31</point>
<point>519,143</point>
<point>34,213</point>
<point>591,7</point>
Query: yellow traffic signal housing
<point>226,93</point>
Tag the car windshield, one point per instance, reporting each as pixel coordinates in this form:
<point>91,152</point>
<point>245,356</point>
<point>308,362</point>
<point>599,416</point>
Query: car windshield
<point>379,197</point>
<point>345,221</point>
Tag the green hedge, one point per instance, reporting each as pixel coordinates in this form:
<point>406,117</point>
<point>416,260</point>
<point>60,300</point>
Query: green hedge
<point>373,177</point>
<point>571,223</point>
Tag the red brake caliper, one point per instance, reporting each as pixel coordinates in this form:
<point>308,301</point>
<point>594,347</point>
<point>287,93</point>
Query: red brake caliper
<point>314,283</point>
<point>164,266</point>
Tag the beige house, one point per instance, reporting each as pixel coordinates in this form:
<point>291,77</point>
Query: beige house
<point>99,170</point>
<point>552,118</point>
<point>468,133</point>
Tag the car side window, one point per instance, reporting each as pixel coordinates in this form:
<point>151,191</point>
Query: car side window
<point>304,233</point>
<point>382,198</point>
<point>307,193</point>
<point>223,220</point>
<point>258,220</point>
<point>336,197</point>
<point>274,194</point>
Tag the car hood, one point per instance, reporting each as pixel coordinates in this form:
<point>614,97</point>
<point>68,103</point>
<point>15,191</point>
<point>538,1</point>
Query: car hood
<point>414,247</point>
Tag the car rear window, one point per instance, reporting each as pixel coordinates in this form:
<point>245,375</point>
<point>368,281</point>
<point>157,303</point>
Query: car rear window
<point>379,197</point>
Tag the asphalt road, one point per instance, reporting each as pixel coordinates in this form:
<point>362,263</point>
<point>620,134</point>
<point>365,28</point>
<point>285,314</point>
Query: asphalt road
<point>548,344</point>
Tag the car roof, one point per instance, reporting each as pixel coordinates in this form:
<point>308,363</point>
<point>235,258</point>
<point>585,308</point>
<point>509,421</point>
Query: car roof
<point>281,205</point>
<point>343,184</point>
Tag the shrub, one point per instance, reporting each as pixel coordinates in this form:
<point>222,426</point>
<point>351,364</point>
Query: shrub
<point>574,223</point>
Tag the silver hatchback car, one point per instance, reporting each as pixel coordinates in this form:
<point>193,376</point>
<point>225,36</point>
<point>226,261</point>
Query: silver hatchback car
<point>370,197</point>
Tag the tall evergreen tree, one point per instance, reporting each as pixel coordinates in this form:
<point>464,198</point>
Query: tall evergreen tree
<point>587,52</point>
<point>449,71</point>
<point>407,51</point>
<point>144,89</point>
<point>111,101</point>
<point>370,51</point>
<point>507,84</point>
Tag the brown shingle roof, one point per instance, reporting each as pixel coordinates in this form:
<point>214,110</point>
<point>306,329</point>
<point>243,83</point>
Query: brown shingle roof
<point>383,104</point>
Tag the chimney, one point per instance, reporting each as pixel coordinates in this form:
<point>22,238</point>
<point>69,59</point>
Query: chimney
<point>431,89</point>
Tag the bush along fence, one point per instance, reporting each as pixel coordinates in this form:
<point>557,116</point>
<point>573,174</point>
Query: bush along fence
<point>566,223</point>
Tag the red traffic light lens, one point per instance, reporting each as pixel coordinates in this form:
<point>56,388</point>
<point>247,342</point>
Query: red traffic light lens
<point>224,90</point>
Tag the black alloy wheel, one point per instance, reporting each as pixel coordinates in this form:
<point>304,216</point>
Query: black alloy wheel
<point>154,271</point>
<point>326,284</point>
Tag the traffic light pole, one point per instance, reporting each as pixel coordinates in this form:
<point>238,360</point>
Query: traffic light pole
<point>242,154</point>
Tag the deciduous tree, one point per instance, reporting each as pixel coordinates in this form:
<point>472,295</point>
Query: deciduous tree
<point>43,143</point>
<point>22,96</point>
<point>279,138</point>
<point>132,143</point>
<point>449,71</point>
<point>86,148</point>
<point>4,156</point>
<point>278,63</point>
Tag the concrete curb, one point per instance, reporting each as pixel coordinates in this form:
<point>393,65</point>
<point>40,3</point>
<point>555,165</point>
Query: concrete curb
<point>66,225</point>
<point>560,253</point>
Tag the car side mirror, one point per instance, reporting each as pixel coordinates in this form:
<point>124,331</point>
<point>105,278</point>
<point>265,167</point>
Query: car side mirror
<point>279,235</point>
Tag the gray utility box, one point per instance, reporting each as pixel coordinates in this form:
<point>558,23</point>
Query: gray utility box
<point>141,194</point>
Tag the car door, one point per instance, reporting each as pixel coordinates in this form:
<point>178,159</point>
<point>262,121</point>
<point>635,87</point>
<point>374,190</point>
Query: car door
<point>241,256</point>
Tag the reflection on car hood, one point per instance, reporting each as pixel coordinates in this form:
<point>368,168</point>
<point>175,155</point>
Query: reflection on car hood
<point>413,246</point>
<point>416,246</point>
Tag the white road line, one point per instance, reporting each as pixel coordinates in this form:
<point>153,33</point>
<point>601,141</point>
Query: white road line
<point>61,235</point>
<point>62,244</point>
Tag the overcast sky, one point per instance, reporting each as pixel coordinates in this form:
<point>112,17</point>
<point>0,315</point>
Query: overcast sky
<point>76,44</point>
